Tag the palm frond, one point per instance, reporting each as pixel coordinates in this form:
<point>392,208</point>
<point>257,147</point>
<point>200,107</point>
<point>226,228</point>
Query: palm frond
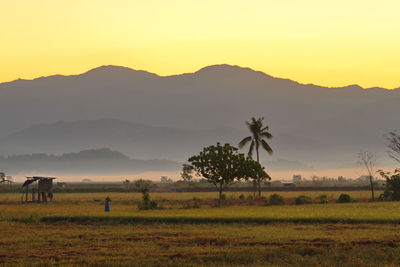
<point>265,134</point>
<point>266,146</point>
<point>251,149</point>
<point>244,141</point>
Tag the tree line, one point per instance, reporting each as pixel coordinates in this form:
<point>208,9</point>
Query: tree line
<point>223,165</point>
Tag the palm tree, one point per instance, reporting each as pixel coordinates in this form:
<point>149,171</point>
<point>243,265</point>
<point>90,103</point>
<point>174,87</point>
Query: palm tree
<point>259,132</point>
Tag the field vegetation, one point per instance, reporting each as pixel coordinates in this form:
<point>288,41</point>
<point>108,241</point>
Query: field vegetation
<point>75,230</point>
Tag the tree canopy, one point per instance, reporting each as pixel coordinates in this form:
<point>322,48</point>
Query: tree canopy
<point>222,165</point>
<point>392,191</point>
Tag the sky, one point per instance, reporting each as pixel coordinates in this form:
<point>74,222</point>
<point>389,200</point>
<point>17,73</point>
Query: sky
<point>324,42</point>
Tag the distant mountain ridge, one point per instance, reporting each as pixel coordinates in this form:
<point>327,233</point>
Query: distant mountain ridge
<point>94,161</point>
<point>311,124</point>
<point>120,70</point>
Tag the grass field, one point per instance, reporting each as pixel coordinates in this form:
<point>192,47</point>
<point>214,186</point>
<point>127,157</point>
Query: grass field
<point>74,230</point>
<point>128,197</point>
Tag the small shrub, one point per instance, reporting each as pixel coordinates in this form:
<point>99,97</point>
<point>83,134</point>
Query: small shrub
<point>300,200</point>
<point>249,197</point>
<point>323,199</point>
<point>151,205</point>
<point>146,203</point>
<point>276,199</point>
<point>344,198</point>
<point>241,197</point>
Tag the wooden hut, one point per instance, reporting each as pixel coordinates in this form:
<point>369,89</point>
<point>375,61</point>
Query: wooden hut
<point>42,190</point>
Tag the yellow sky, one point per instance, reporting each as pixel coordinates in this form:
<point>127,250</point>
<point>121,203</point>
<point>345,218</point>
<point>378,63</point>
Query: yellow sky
<point>324,42</point>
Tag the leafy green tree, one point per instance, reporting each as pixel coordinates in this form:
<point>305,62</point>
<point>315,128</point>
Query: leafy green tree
<point>255,172</point>
<point>221,166</point>
<point>392,191</point>
<point>259,132</point>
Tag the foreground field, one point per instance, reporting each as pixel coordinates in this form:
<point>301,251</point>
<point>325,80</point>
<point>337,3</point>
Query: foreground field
<point>74,230</point>
<point>385,212</point>
<point>200,245</point>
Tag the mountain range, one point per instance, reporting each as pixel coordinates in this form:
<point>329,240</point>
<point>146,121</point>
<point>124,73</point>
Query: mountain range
<point>93,162</point>
<point>147,116</point>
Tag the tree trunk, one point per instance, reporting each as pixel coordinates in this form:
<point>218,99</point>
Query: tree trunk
<point>220,195</point>
<point>372,188</point>
<point>258,182</point>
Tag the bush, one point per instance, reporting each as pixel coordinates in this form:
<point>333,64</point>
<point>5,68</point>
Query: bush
<point>150,205</point>
<point>146,203</point>
<point>323,199</point>
<point>276,199</point>
<point>300,200</point>
<point>344,198</point>
<point>249,197</point>
<point>241,197</point>
<point>392,190</point>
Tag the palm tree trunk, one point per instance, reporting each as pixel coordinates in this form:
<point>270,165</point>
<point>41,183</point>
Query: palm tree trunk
<point>258,182</point>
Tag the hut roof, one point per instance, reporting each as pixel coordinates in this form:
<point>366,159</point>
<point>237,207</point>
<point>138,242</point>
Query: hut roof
<point>33,179</point>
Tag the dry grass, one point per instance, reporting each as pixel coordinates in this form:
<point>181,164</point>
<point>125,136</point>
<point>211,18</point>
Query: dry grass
<point>171,245</point>
<point>30,241</point>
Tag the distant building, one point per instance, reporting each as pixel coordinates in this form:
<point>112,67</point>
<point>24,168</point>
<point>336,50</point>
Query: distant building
<point>287,183</point>
<point>62,184</point>
<point>297,178</point>
<point>165,180</point>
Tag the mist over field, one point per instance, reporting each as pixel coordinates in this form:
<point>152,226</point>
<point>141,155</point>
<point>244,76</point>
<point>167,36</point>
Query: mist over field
<point>154,123</point>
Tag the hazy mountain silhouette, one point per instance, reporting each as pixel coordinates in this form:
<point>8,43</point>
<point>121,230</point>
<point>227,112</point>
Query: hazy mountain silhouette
<point>179,114</point>
<point>94,161</point>
<point>139,141</point>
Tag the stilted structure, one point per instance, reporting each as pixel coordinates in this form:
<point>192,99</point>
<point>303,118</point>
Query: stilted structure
<point>44,187</point>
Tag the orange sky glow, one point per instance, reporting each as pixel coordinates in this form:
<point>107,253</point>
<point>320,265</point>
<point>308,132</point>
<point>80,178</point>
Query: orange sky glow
<point>330,43</point>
